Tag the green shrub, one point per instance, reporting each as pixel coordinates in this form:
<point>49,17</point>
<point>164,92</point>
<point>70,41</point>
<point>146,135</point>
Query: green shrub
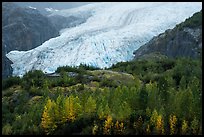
<point>33,78</point>
<point>7,129</point>
<point>6,83</point>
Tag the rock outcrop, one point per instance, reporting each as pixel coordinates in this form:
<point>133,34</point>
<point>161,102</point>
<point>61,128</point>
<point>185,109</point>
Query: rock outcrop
<point>22,29</point>
<point>185,40</point>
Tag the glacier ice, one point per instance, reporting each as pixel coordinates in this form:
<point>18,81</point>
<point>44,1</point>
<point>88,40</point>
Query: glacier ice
<point>110,35</point>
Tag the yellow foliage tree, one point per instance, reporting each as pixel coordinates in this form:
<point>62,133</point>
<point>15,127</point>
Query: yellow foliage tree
<point>48,121</point>
<point>69,108</point>
<point>119,128</point>
<point>160,125</point>
<point>172,123</point>
<point>153,118</point>
<point>108,125</point>
<point>72,108</point>
<point>184,127</point>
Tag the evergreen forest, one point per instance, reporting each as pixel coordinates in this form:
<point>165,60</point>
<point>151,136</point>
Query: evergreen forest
<point>154,96</point>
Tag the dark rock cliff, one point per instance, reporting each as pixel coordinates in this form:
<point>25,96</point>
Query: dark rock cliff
<point>185,40</point>
<point>22,29</point>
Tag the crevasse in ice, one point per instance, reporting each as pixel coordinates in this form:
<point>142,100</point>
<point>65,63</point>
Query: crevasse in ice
<point>110,35</point>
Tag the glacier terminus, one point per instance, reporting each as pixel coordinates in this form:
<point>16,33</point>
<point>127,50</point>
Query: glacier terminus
<point>110,34</point>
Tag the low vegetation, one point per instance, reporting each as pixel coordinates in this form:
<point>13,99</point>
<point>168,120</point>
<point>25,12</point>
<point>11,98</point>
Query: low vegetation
<point>157,96</point>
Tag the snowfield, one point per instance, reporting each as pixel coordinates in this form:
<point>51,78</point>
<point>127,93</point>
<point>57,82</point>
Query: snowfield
<point>111,33</point>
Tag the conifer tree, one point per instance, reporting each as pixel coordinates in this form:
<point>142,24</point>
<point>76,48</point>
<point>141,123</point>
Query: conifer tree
<point>195,126</point>
<point>184,127</point>
<point>90,105</point>
<point>103,111</point>
<point>77,106</point>
<point>172,123</point>
<point>69,108</point>
<point>138,125</point>
<point>61,116</point>
<point>152,90</point>
<point>95,128</point>
<point>48,121</point>
<point>148,131</point>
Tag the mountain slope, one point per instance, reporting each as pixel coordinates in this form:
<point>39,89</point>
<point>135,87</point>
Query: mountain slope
<point>184,40</point>
<point>46,8</point>
<point>61,22</point>
<point>22,29</point>
<point>111,33</point>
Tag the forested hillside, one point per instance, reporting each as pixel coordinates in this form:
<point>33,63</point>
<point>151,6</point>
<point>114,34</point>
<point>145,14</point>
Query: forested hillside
<point>147,96</point>
<point>153,94</point>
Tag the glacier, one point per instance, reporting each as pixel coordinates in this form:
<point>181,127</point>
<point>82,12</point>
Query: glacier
<point>112,31</point>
